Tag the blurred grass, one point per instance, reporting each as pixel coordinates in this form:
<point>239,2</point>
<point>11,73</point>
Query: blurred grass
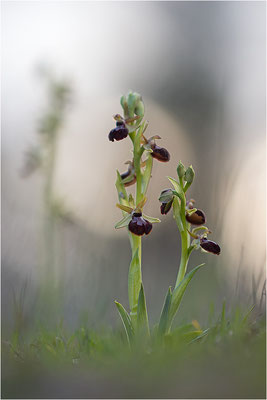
<point>225,359</point>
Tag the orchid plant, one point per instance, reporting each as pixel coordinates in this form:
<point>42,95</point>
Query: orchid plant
<point>145,150</point>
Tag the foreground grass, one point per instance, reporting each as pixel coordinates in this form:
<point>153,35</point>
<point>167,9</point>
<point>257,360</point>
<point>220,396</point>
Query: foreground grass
<point>226,360</point>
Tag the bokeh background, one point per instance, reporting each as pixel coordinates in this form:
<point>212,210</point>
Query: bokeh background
<point>200,67</point>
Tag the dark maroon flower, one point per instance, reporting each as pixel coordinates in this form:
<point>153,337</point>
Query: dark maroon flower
<point>165,207</point>
<point>118,133</point>
<point>160,153</point>
<point>129,183</point>
<point>129,173</point>
<point>210,246</point>
<point>197,218</point>
<point>138,225</point>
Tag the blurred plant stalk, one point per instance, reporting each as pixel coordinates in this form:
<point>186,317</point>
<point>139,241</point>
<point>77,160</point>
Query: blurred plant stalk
<point>43,157</point>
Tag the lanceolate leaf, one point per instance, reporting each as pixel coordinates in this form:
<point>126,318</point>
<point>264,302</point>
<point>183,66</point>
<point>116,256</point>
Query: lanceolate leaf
<point>163,322</point>
<point>126,320</point>
<point>142,318</point>
<point>123,222</point>
<point>178,293</point>
<point>177,188</point>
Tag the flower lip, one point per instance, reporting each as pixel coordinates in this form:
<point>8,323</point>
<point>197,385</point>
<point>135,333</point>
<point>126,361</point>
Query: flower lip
<point>118,133</point>
<point>139,225</point>
<point>210,246</point>
<point>197,218</point>
<point>160,153</point>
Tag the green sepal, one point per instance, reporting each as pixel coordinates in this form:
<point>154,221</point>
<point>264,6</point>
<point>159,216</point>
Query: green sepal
<point>151,219</point>
<point>123,222</point>
<point>142,318</point>
<point>166,196</point>
<point>178,293</point>
<point>126,320</point>
<point>163,322</point>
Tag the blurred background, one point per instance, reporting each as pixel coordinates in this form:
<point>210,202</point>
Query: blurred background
<point>200,67</point>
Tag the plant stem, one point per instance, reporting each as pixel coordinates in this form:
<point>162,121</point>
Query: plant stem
<point>184,258</point>
<point>185,244</point>
<point>135,275</point>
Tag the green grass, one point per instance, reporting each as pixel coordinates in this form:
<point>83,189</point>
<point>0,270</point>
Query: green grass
<point>224,360</point>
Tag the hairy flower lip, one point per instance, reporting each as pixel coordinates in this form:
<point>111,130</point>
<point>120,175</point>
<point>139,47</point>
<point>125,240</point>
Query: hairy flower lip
<point>197,218</point>
<point>210,246</point>
<point>160,153</point>
<point>139,225</point>
<point>118,133</point>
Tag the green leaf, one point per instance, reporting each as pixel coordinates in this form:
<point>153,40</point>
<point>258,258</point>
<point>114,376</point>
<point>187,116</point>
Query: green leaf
<point>147,174</point>
<point>178,293</point>
<point>178,189</point>
<point>142,318</point>
<point>126,320</point>
<point>151,219</point>
<point>123,222</point>
<point>163,322</point>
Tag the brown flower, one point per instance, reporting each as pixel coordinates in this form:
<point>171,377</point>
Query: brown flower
<point>209,246</point>
<point>197,218</point>
<point>139,225</point>
<point>118,133</point>
<point>160,153</point>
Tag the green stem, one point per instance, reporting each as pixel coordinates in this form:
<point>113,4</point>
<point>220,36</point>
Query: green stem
<point>184,258</point>
<point>135,275</point>
<point>185,244</point>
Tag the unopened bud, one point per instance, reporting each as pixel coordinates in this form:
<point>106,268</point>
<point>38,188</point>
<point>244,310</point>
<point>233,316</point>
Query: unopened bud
<point>181,170</point>
<point>189,174</point>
